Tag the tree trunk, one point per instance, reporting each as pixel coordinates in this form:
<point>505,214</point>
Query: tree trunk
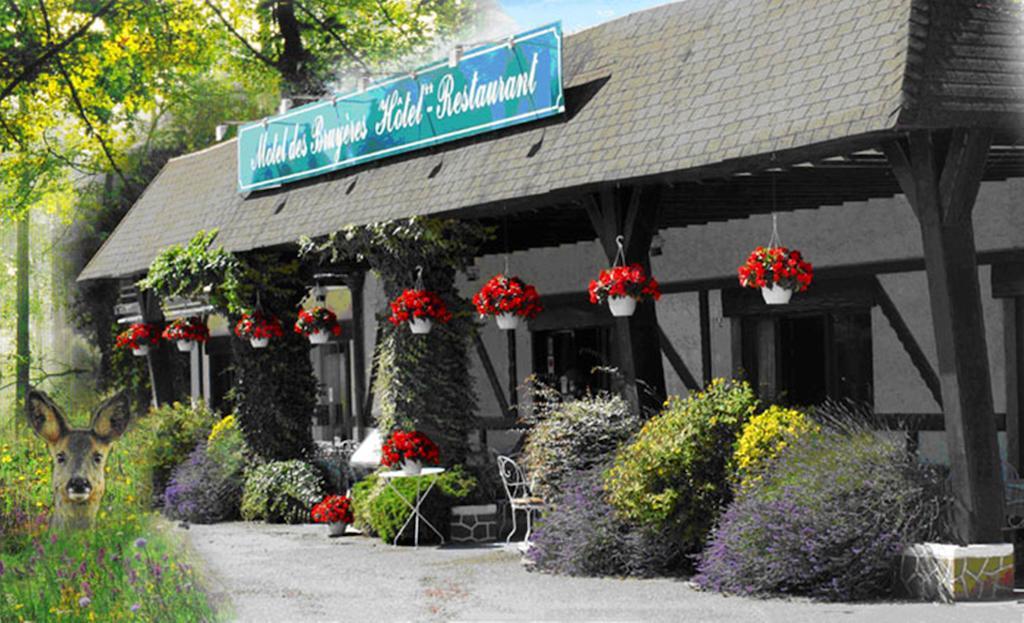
<point>23,352</point>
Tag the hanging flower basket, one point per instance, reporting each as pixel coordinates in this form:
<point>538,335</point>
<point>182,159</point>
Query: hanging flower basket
<point>419,308</point>
<point>622,287</point>
<point>318,324</point>
<point>139,337</point>
<point>186,333</point>
<point>777,271</point>
<point>508,299</point>
<point>259,328</point>
<point>410,450</point>
<point>335,511</point>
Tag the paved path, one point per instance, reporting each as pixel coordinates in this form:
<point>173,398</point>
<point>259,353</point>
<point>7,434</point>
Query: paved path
<point>295,574</point>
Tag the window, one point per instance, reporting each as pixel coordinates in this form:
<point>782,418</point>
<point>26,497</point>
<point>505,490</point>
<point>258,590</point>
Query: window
<point>806,358</point>
<point>566,358</point>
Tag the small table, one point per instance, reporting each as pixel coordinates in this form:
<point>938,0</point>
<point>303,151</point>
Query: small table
<point>431,473</point>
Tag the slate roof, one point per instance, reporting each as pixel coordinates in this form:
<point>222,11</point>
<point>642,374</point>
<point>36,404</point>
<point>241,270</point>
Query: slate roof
<point>681,87</point>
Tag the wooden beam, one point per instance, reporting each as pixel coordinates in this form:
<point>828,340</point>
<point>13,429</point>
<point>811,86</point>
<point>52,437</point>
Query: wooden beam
<point>910,345</point>
<point>632,213</point>
<point>492,376</point>
<point>705,336</point>
<point>941,175</point>
<point>677,362</point>
<point>1013,345</point>
<point>513,375</point>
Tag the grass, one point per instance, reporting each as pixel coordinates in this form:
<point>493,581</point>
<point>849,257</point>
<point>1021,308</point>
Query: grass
<point>130,567</point>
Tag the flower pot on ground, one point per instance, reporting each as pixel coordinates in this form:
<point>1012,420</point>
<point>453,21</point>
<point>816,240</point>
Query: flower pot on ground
<point>258,328</point>
<point>186,333</point>
<point>318,324</point>
<point>508,299</point>
<point>335,511</point>
<point>622,287</point>
<point>409,450</point>
<point>420,309</point>
<point>778,272</point>
<point>139,337</point>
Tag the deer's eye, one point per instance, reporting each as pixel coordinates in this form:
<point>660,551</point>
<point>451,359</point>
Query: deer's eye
<point>97,458</point>
<point>61,458</point>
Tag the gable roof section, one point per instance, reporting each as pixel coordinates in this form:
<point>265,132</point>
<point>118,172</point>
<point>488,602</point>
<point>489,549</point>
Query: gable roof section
<point>677,87</point>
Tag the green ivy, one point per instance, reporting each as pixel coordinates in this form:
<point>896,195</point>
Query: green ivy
<point>423,382</point>
<point>199,272</point>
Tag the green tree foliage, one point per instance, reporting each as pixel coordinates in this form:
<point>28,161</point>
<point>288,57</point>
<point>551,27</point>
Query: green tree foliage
<point>423,381</point>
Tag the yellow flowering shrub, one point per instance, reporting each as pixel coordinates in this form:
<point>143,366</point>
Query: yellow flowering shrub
<point>764,437</point>
<point>675,474</point>
<point>224,426</point>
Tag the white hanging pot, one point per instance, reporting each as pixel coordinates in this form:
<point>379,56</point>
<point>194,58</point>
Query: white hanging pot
<point>259,342</point>
<point>319,337</point>
<point>776,295</point>
<point>507,321</point>
<point>420,326</point>
<point>622,306</point>
<point>185,346</point>
<point>411,467</point>
<point>141,351</point>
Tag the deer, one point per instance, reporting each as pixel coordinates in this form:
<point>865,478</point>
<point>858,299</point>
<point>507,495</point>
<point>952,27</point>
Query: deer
<point>79,455</point>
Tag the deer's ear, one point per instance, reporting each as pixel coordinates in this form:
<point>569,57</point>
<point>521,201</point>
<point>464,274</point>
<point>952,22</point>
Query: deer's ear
<point>45,417</point>
<point>112,417</point>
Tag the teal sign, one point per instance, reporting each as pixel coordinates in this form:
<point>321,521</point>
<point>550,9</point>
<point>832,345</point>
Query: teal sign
<point>491,87</point>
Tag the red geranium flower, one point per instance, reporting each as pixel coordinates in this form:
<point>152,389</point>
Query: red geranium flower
<point>418,304</point>
<point>408,445</point>
<point>507,295</point>
<point>776,265</point>
<point>258,325</point>
<point>621,281</point>
<point>317,319</point>
<point>333,509</point>
<point>187,330</point>
<point>138,335</point>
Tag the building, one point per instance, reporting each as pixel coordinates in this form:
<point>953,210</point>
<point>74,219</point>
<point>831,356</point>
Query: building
<point>869,126</point>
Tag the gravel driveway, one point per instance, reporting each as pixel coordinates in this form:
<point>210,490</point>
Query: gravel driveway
<point>293,574</point>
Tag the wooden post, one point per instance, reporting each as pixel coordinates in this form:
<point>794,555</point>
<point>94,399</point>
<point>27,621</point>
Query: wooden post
<point>161,375</point>
<point>513,374</point>
<point>355,282</point>
<point>940,173</point>
<point>195,368</point>
<point>1008,285</point>
<point>705,336</point>
<point>632,212</point>
<point>492,376</point>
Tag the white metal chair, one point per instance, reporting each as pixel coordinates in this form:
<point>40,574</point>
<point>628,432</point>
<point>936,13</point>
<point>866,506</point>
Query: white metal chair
<point>520,496</point>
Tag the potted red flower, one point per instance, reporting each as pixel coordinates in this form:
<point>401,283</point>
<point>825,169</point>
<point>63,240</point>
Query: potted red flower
<point>335,511</point>
<point>419,308</point>
<point>778,271</point>
<point>318,324</point>
<point>258,328</point>
<point>410,449</point>
<point>186,333</point>
<point>139,337</point>
<point>507,299</point>
<point>622,287</point>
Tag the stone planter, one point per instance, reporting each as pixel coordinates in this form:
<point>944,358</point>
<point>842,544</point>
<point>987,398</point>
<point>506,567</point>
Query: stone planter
<point>336,528</point>
<point>944,572</point>
<point>474,524</point>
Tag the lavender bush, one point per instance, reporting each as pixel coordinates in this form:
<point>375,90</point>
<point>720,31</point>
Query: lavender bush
<point>202,489</point>
<point>827,520</point>
<point>581,535</point>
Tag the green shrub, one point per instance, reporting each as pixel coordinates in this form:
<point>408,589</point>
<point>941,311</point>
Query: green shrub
<point>827,519</point>
<point>675,474</point>
<point>379,508</point>
<point>168,434</point>
<point>764,437</point>
<point>281,492</point>
<point>572,437</point>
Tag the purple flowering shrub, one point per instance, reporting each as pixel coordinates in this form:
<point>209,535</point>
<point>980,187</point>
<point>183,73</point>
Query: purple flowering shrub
<point>203,489</point>
<point>582,535</point>
<point>827,520</point>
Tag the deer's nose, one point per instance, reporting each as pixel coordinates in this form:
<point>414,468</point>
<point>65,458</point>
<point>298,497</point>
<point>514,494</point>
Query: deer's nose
<point>79,486</point>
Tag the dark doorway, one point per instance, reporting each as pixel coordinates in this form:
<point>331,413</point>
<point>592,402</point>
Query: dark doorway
<point>804,362</point>
<point>569,359</point>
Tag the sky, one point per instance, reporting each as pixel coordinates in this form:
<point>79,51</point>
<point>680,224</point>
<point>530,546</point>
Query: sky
<point>575,14</point>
